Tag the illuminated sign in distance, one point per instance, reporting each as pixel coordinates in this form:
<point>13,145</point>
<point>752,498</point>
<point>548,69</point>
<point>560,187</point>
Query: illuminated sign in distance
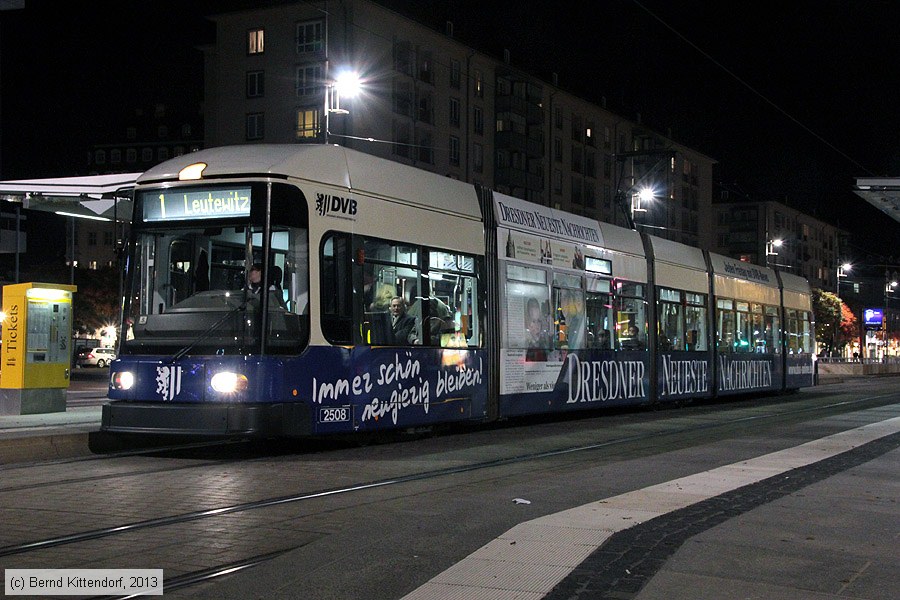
<point>193,203</point>
<point>873,317</point>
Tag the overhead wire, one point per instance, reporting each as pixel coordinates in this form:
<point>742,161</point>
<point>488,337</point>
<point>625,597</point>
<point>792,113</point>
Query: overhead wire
<point>752,89</point>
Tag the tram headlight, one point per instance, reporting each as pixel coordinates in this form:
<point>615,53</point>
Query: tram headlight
<point>122,380</point>
<point>226,382</point>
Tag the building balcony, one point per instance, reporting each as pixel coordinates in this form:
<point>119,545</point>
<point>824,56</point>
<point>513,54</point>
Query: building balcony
<point>513,177</point>
<point>515,141</point>
<point>534,114</point>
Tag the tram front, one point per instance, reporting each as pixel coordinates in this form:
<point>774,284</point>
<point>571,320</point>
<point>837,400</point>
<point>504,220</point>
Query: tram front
<point>216,303</point>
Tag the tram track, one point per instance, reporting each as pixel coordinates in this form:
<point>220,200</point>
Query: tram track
<point>198,515</point>
<point>265,452</point>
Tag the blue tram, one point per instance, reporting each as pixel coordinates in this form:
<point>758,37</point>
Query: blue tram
<point>511,308</point>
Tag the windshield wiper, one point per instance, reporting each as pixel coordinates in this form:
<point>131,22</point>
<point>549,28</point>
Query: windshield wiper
<point>242,307</point>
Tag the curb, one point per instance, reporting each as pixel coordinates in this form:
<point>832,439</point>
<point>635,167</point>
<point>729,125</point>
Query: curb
<point>51,446</point>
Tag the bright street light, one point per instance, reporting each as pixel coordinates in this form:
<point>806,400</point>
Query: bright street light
<point>842,271</point>
<point>346,84</point>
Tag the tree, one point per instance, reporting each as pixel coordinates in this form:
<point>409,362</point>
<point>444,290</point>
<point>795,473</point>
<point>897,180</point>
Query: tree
<point>96,304</point>
<point>849,329</point>
<point>827,313</point>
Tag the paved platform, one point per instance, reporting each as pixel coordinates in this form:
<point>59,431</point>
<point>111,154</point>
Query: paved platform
<point>815,521</point>
<point>818,521</point>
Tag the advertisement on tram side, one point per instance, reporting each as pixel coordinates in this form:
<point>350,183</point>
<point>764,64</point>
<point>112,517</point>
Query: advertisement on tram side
<point>740,373</point>
<point>800,370</point>
<point>572,380</point>
<point>683,375</point>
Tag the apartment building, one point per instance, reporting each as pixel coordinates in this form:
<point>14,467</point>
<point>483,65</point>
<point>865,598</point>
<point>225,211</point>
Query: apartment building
<point>773,234</point>
<point>433,102</point>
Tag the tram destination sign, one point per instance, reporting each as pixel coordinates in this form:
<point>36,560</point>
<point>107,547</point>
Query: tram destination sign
<point>185,204</point>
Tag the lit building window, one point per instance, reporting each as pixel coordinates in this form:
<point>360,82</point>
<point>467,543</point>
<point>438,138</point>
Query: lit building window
<point>256,41</point>
<point>307,123</point>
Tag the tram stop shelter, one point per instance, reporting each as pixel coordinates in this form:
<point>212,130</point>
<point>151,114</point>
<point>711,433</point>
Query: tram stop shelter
<point>881,192</point>
<point>104,197</point>
<point>40,388</point>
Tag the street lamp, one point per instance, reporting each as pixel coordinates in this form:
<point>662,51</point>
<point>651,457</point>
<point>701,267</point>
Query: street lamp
<point>842,271</point>
<point>772,248</point>
<point>346,84</point>
<point>890,284</point>
<point>639,198</point>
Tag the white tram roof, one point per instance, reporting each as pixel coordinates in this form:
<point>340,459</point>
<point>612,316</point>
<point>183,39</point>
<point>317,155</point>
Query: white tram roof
<point>628,260</point>
<point>677,254</point>
<point>796,292</point>
<point>679,266</point>
<point>794,283</point>
<point>725,266</point>
<point>619,239</point>
<point>331,165</point>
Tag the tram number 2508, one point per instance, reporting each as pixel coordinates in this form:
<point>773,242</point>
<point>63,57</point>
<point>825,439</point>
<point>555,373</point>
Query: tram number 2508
<point>338,414</point>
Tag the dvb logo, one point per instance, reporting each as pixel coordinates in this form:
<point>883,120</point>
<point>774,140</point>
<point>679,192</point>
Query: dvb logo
<point>337,205</point>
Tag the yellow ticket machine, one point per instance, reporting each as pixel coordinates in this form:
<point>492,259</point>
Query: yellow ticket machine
<point>35,359</point>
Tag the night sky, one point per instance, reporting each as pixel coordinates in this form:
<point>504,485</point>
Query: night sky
<point>794,100</point>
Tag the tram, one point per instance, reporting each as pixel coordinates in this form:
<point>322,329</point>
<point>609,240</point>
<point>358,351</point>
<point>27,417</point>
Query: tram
<point>511,308</point>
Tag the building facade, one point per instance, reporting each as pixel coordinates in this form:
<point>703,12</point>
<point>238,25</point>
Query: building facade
<point>775,235</point>
<point>150,136</point>
<point>433,102</point>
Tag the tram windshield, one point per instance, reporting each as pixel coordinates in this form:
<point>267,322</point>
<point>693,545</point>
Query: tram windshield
<point>212,283</point>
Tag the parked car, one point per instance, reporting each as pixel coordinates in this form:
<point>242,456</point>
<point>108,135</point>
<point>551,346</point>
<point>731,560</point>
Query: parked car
<point>96,357</point>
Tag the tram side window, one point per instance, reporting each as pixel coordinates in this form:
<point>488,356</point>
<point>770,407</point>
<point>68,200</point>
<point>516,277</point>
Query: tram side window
<point>337,290</point>
<point>600,315</point>
<point>798,331</point>
<point>391,284</point>
<point>569,315</point>
<point>416,297</point>
<point>671,320</point>
<point>744,328</point>
<point>288,291</point>
<point>631,316</point>
<point>725,325</point>
<point>452,309</point>
<point>806,335</point>
<point>695,322</point>
<point>793,331</point>
<point>757,329</point>
<point>773,329</point>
